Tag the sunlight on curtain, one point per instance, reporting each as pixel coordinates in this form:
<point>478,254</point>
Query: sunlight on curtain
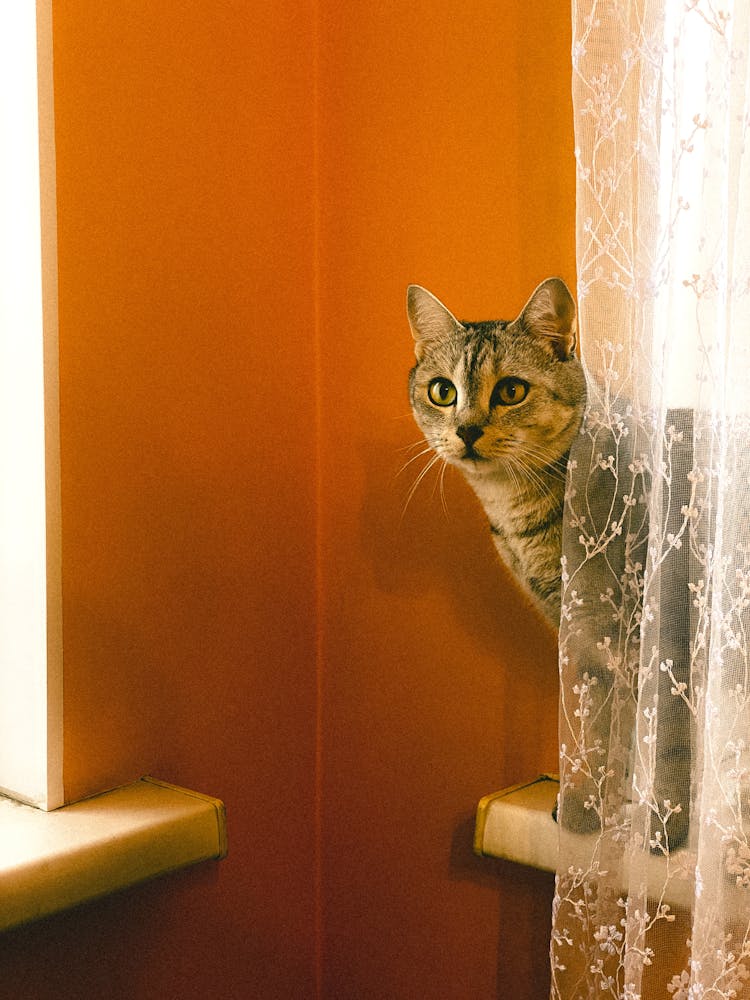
<point>653,885</point>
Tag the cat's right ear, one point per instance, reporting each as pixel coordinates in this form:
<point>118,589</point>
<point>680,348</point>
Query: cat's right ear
<point>429,320</point>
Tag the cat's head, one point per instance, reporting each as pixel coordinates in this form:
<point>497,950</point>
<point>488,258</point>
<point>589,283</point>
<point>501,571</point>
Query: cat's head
<point>498,398</point>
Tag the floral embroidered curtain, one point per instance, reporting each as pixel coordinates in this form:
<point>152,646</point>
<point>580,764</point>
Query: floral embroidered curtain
<point>653,884</point>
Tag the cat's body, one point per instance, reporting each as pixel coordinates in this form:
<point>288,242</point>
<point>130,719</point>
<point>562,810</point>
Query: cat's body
<point>503,402</point>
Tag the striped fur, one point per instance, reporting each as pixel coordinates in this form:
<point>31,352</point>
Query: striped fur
<point>512,453</point>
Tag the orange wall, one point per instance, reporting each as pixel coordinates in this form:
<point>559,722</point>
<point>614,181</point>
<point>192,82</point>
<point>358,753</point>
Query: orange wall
<point>246,609</point>
<point>447,160</point>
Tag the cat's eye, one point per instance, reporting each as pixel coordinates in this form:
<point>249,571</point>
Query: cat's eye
<point>509,391</point>
<point>442,392</point>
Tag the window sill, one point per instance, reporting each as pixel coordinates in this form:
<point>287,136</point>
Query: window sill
<point>51,861</point>
<point>516,824</point>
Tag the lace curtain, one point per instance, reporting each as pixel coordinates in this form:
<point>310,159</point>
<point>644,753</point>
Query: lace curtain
<point>653,884</point>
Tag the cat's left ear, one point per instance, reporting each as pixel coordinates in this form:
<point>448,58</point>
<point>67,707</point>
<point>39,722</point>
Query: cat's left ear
<point>550,314</point>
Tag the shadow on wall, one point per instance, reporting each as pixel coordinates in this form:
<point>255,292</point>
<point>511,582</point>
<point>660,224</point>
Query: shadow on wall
<point>524,901</point>
<point>442,581</point>
<point>443,546</point>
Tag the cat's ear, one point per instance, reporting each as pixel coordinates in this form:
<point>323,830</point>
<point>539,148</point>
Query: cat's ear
<point>428,318</point>
<point>550,314</point>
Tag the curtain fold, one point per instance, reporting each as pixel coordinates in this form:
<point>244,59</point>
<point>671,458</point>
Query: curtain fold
<point>653,884</point>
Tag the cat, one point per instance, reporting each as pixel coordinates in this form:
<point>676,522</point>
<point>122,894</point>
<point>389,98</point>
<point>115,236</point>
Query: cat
<point>504,401</point>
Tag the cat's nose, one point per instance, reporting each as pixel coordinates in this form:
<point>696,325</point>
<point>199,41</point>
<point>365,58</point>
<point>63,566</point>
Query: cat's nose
<point>469,433</point>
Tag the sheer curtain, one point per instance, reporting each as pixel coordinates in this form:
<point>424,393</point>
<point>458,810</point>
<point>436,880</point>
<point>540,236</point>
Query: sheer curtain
<point>653,884</point>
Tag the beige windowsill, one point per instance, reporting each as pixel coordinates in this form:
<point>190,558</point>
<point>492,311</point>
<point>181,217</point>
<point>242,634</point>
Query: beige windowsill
<point>51,861</point>
<point>516,824</point>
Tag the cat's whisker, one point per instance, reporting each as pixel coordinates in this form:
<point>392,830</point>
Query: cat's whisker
<point>442,488</point>
<point>555,467</point>
<point>531,475</point>
<point>509,467</point>
<point>548,458</point>
<point>541,475</point>
<point>513,465</point>
<point>414,444</point>
<point>547,469</point>
<point>418,480</point>
<point>543,487</point>
<point>524,474</point>
<point>436,488</point>
<point>420,454</point>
